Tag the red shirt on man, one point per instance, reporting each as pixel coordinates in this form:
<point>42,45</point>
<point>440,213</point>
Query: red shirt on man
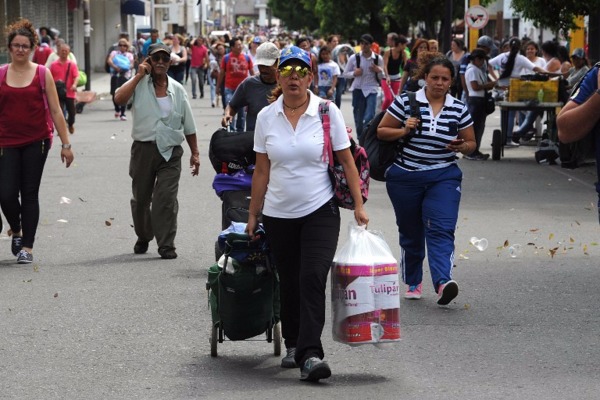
<point>237,69</point>
<point>59,72</point>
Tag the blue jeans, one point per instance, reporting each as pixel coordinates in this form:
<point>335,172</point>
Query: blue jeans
<point>213,89</point>
<point>323,92</point>
<point>198,76</point>
<point>426,207</point>
<point>526,124</point>
<point>511,125</point>
<point>363,109</point>
<point>240,113</point>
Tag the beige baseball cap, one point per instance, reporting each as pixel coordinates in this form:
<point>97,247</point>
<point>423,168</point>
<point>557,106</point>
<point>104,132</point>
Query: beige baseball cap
<point>267,54</point>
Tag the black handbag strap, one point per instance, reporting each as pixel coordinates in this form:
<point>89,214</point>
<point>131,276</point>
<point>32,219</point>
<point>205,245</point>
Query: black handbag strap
<point>67,74</point>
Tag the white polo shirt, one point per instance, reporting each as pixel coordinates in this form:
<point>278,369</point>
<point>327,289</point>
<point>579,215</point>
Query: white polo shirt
<point>298,181</point>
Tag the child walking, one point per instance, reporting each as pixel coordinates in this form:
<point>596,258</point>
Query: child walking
<point>328,74</point>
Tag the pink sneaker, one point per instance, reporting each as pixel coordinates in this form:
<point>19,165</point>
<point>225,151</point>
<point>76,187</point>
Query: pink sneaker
<point>123,118</point>
<point>447,291</point>
<point>414,292</point>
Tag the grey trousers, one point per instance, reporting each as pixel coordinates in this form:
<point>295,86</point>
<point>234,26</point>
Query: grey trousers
<point>155,183</point>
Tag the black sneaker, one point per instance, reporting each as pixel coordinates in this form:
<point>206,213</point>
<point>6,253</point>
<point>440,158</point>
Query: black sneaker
<point>288,361</point>
<point>24,257</point>
<point>314,369</point>
<point>16,244</point>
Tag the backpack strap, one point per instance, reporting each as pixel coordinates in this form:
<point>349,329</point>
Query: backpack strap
<point>67,74</point>
<point>415,108</point>
<point>227,57</point>
<point>327,148</point>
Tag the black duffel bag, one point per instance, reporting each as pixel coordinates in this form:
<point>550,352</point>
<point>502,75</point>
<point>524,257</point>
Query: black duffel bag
<point>230,152</point>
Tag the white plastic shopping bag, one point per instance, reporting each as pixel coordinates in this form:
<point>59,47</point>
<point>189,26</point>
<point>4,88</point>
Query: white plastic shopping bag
<point>365,290</point>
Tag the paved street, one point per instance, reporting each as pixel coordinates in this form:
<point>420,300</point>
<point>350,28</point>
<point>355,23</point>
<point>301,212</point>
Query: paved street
<point>91,320</point>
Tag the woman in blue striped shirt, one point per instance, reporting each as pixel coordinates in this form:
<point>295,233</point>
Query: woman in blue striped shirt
<point>424,183</point>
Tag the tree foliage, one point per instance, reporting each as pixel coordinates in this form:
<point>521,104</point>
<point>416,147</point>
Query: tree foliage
<point>353,18</point>
<point>555,15</point>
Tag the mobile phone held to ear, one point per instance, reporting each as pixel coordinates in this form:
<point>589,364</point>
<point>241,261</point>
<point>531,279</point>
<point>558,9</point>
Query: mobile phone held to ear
<point>457,142</point>
<point>147,61</point>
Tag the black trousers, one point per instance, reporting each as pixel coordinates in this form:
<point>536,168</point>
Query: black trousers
<point>69,105</point>
<point>476,106</point>
<point>21,170</point>
<point>303,249</point>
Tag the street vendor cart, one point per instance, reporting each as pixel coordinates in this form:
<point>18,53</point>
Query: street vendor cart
<point>527,95</point>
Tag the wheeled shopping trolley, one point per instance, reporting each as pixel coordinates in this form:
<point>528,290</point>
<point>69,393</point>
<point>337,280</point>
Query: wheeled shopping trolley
<point>243,291</point>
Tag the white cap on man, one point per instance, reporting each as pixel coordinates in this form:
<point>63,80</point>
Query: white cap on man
<point>267,54</point>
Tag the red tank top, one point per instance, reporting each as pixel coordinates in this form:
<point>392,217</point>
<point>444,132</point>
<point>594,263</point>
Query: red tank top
<point>23,116</point>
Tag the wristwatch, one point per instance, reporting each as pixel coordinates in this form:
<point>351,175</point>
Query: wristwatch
<point>66,146</point>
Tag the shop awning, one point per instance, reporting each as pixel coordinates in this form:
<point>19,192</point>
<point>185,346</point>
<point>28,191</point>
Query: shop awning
<point>133,7</point>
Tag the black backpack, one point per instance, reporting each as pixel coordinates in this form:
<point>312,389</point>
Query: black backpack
<point>382,154</point>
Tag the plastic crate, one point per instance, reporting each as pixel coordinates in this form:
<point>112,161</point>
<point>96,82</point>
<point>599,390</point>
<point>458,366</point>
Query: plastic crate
<point>528,90</point>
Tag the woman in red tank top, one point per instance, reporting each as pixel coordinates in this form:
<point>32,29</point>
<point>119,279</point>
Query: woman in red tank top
<point>25,137</point>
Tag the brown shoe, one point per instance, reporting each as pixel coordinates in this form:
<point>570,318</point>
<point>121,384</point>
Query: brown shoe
<point>71,129</point>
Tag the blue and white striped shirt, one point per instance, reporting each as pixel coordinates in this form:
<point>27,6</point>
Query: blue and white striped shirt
<point>427,150</point>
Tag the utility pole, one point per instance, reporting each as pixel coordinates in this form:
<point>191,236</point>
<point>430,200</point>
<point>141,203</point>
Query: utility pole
<point>447,34</point>
<point>86,43</point>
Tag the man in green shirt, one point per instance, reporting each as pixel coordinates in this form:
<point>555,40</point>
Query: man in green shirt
<point>162,120</point>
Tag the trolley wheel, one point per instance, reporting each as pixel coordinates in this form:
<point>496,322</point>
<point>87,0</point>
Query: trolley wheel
<point>496,144</point>
<point>277,339</point>
<point>214,339</point>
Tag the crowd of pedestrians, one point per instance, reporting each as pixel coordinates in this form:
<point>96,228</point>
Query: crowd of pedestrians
<point>275,88</point>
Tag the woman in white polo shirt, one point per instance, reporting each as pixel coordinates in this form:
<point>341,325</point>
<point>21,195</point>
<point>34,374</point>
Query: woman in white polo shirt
<point>291,188</point>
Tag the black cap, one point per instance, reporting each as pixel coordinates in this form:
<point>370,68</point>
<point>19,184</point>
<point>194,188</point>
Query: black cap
<point>367,38</point>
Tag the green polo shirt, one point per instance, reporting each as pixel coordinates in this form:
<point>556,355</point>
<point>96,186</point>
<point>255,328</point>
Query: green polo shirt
<point>148,125</point>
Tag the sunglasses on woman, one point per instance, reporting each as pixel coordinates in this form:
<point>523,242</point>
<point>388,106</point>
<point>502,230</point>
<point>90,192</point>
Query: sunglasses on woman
<point>288,69</point>
<point>164,57</point>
